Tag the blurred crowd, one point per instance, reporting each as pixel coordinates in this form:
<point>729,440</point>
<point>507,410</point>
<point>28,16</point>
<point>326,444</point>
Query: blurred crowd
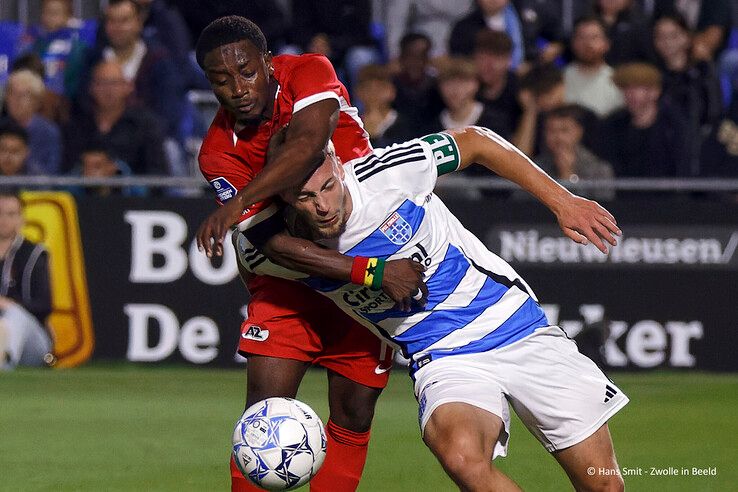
<point>609,88</point>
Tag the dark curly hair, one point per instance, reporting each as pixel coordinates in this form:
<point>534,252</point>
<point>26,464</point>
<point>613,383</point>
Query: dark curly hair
<point>227,30</point>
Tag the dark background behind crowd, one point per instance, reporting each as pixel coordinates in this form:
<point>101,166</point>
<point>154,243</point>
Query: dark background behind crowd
<point>590,89</point>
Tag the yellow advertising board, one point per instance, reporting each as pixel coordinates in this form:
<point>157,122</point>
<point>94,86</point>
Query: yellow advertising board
<point>51,219</point>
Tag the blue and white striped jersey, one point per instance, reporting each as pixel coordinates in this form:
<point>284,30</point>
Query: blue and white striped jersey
<point>476,302</point>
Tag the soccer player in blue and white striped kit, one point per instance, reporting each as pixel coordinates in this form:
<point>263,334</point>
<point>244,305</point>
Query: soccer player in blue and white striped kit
<point>477,339</point>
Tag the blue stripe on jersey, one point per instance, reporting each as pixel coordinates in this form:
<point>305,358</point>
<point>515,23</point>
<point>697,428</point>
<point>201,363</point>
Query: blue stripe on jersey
<point>527,319</point>
<point>441,284</point>
<point>378,245</point>
<point>441,323</point>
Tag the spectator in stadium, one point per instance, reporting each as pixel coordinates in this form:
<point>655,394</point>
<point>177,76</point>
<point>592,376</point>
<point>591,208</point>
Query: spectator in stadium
<point>565,157</point>
<point>499,84</point>
<point>719,153</point>
<point>340,30</point>
<point>543,33</point>
<point>431,18</point>
<point>689,84</point>
<point>148,66</point>
<point>25,291</point>
<point>458,83</point>
<point>164,25</point>
<point>588,78</point>
<point>628,31</point>
<point>647,138</point>
<point>57,43</point>
<point>97,162</point>
<point>541,90</point>
<point>416,85</point>
<point>131,133</point>
<point>267,14</point>
<point>377,93</point>
<point>54,107</point>
<point>497,15</point>
<point>710,21</point>
<point>24,94</point>
<point>14,150</point>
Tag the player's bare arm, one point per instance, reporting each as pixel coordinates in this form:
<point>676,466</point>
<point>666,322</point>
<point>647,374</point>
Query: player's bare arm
<point>402,278</point>
<point>582,220</point>
<point>308,132</point>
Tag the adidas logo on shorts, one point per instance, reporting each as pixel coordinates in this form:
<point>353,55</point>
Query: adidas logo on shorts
<point>609,392</point>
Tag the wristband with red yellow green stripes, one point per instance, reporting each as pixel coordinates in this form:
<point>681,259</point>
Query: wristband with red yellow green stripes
<point>368,272</point>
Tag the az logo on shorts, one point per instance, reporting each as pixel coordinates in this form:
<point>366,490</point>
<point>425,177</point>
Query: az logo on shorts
<point>256,333</point>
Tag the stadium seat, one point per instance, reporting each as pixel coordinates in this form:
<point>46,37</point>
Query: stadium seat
<point>10,33</point>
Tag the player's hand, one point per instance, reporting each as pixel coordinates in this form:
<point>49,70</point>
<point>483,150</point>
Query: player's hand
<point>403,282</point>
<point>584,221</point>
<point>212,231</point>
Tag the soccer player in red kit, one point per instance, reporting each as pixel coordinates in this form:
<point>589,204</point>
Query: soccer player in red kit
<point>290,327</point>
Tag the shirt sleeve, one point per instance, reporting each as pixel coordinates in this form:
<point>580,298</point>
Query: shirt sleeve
<point>311,80</point>
<point>412,167</point>
<point>226,177</point>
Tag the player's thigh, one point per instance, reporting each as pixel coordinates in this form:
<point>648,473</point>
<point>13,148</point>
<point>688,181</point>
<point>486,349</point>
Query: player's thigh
<point>351,403</point>
<point>461,431</point>
<point>560,395</point>
<point>461,402</point>
<point>591,464</point>
<point>271,376</point>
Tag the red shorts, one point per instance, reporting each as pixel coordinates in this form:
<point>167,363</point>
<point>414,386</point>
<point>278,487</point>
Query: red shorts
<point>287,320</point>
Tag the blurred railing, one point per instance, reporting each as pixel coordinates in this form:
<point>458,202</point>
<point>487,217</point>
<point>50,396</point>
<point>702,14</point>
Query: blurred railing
<point>456,182</point>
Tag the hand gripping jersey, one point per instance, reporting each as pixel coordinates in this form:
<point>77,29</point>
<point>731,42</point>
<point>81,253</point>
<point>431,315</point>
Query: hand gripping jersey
<point>476,302</point>
<point>230,159</point>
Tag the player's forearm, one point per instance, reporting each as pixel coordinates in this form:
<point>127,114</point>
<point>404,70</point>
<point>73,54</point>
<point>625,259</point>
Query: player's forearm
<point>307,257</point>
<point>510,163</point>
<point>289,169</point>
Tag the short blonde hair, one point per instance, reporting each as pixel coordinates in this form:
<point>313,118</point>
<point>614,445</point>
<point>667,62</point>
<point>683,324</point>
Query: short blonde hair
<point>28,79</point>
<point>637,74</point>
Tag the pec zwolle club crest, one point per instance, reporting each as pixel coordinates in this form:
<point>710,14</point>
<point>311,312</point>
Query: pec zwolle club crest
<point>397,229</point>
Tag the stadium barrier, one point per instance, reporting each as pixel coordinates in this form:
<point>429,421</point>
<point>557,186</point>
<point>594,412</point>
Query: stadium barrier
<point>667,296</point>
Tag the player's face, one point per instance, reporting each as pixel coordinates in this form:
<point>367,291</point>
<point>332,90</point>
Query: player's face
<point>11,217</point>
<point>239,76</point>
<point>323,201</point>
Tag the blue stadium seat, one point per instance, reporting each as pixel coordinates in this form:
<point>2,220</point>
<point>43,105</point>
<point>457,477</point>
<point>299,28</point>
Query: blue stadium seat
<point>10,33</point>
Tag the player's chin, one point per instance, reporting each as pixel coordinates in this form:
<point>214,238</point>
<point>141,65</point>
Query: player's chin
<point>328,232</point>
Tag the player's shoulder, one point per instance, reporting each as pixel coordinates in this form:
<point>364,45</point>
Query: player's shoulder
<point>418,155</point>
<point>382,160</point>
<point>286,66</point>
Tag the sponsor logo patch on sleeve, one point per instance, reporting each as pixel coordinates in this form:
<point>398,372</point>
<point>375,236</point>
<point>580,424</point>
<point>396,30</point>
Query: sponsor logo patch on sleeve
<point>223,188</point>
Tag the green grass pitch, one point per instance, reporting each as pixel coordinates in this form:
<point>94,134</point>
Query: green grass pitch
<point>134,428</point>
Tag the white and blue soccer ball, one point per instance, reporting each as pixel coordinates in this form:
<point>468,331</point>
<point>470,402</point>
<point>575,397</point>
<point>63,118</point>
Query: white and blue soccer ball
<point>279,443</point>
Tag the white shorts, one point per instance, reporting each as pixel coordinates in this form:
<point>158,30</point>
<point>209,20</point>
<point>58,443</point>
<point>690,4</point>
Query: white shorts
<point>561,396</point>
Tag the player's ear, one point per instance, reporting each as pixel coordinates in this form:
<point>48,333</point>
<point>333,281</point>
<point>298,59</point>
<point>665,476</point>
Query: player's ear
<point>268,62</point>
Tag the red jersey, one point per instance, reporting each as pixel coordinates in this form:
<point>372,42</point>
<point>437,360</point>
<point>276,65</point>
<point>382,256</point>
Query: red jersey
<point>229,160</point>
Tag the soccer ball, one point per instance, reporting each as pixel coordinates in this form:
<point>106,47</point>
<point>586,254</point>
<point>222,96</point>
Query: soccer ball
<point>279,443</point>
